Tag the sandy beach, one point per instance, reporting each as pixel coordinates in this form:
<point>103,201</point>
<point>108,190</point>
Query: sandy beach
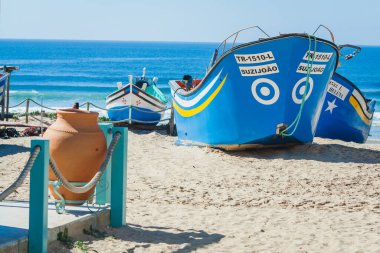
<point>322,197</point>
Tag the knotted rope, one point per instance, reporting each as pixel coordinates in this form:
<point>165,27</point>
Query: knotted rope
<point>22,175</point>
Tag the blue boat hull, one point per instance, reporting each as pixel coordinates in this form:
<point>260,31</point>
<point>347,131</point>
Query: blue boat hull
<point>138,115</point>
<point>145,108</point>
<point>252,90</point>
<point>3,81</point>
<point>346,114</point>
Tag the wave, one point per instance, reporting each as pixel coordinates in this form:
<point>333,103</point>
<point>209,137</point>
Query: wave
<point>371,93</point>
<point>50,89</point>
<point>21,110</point>
<point>97,59</point>
<point>376,120</point>
<point>23,92</point>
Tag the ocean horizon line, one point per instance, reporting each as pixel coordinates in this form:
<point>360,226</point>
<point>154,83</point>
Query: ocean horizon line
<point>108,41</point>
<point>135,41</point>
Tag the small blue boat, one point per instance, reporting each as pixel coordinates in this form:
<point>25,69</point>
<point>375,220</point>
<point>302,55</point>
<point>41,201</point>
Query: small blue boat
<point>138,102</point>
<point>3,82</point>
<point>262,93</point>
<point>346,114</point>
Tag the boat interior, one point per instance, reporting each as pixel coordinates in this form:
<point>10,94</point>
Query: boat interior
<point>188,85</point>
<point>149,87</point>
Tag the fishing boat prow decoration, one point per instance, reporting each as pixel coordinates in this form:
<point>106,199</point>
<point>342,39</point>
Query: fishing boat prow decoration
<point>138,102</point>
<point>346,115</point>
<point>253,92</point>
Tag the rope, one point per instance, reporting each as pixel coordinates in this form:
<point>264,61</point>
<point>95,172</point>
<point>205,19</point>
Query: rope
<point>141,110</point>
<point>22,175</point>
<point>85,188</point>
<point>18,103</point>
<point>94,105</point>
<point>104,109</point>
<point>49,108</point>
<point>124,108</point>
<point>136,121</point>
<point>310,63</point>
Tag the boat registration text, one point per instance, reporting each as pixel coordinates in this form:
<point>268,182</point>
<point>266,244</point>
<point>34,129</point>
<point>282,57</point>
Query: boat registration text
<point>254,58</point>
<point>337,90</point>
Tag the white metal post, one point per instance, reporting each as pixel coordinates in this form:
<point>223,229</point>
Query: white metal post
<point>130,98</point>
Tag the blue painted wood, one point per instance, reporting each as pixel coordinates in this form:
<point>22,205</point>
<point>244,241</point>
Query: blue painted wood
<point>38,219</point>
<point>119,178</point>
<point>103,189</point>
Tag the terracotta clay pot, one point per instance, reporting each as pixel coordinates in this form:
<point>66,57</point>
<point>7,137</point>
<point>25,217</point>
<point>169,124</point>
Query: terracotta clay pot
<point>78,147</point>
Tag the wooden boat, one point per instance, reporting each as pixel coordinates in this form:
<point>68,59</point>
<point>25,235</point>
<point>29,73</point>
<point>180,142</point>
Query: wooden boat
<point>260,93</point>
<point>3,82</point>
<point>347,114</point>
<point>138,102</point>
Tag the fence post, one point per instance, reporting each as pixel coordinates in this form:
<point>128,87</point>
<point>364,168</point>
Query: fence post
<point>103,189</point>
<point>2,101</point>
<point>119,178</point>
<point>38,207</point>
<point>27,111</point>
<point>7,102</point>
<point>88,106</point>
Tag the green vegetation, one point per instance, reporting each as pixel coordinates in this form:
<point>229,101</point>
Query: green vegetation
<point>83,246</point>
<point>95,232</point>
<point>50,115</point>
<point>103,119</point>
<point>65,239</point>
<point>68,242</point>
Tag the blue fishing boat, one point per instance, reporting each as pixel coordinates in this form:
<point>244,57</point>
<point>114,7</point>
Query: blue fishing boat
<point>261,93</point>
<point>346,114</point>
<point>3,82</point>
<point>138,102</point>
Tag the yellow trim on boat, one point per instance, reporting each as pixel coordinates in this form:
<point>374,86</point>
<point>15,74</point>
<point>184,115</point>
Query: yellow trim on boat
<point>359,109</point>
<point>194,111</point>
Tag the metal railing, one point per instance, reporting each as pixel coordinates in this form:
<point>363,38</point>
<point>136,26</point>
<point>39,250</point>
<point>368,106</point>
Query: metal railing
<point>218,53</point>
<point>330,32</point>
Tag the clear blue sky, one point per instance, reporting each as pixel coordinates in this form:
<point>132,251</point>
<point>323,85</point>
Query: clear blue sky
<point>356,22</point>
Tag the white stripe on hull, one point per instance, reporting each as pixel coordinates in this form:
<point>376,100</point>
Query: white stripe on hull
<point>136,101</point>
<point>362,102</point>
<point>192,102</point>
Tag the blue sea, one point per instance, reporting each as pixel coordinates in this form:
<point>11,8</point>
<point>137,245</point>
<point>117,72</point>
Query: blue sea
<point>60,73</point>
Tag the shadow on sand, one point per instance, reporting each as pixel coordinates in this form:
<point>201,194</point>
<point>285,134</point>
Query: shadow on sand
<point>147,235</point>
<point>9,149</point>
<point>333,153</point>
<point>144,132</point>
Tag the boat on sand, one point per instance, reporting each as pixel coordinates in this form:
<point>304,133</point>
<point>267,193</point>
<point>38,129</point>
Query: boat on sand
<point>266,92</point>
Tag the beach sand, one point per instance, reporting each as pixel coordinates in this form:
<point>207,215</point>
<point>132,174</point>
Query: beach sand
<point>323,197</point>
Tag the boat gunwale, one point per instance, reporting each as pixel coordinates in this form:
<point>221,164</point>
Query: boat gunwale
<point>231,50</point>
<point>4,76</point>
<point>140,90</point>
<point>139,96</point>
<point>356,88</point>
